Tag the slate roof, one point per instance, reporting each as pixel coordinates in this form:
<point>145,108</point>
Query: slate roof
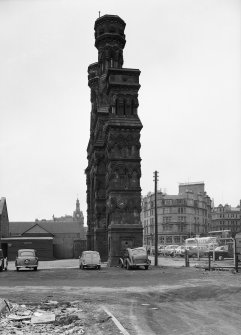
<point>37,229</point>
<point>18,228</point>
<point>26,238</point>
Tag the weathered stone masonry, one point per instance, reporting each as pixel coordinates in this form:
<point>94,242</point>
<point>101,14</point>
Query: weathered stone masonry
<point>114,164</point>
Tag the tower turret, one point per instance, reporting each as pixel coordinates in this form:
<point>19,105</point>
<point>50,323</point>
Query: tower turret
<point>110,41</point>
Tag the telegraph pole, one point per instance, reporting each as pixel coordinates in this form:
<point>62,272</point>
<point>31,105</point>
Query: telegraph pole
<point>156,225</point>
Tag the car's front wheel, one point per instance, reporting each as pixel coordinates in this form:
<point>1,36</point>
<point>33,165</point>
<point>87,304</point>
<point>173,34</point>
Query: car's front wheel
<point>17,269</point>
<point>35,269</point>
<point>128,267</point>
<point>146,267</point>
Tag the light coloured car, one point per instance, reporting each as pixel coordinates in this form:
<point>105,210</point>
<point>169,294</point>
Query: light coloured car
<point>26,259</point>
<point>195,252</point>
<point>170,249</point>
<point>180,251</point>
<point>90,259</point>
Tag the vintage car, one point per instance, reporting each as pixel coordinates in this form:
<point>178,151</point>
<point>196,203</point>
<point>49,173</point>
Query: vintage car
<point>3,261</point>
<point>26,259</point>
<point>180,251</point>
<point>90,259</point>
<point>194,252</point>
<point>222,251</point>
<point>134,258</point>
<point>170,250</point>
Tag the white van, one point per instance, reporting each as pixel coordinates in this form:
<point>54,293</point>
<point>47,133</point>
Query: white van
<point>90,259</point>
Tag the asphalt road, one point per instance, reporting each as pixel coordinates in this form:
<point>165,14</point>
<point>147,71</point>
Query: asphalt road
<point>162,300</point>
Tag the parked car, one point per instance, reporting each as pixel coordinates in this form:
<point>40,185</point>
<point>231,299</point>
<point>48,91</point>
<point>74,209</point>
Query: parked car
<point>160,249</point>
<point>221,252</point>
<point>90,259</point>
<point>3,261</point>
<point>26,259</point>
<point>134,258</point>
<point>180,251</point>
<point>194,252</point>
<point>151,250</point>
<point>170,249</point>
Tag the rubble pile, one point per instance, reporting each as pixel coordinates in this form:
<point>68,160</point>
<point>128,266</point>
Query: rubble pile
<point>50,317</point>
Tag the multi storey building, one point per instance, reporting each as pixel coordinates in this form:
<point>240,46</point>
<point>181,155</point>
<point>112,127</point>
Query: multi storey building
<point>178,216</point>
<point>226,218</point>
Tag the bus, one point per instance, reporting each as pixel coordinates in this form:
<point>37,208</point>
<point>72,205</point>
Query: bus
<point>220,233</point>
<point>204,244</point>
<point>223,237</point>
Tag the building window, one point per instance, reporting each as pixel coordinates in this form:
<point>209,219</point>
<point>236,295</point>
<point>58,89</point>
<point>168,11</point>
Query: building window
<point>181,228</point>
<point>176,239</point>
<point>161,239</point>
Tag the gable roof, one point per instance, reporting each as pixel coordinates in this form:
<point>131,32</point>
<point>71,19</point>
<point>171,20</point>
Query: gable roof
<point>36,229</point>
<point>18,228</point>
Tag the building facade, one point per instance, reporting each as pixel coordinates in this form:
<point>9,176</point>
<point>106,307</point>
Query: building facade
<point>63,237</point>
<point>4,225</point>
<point>4,222</point>
<point>114,169</point>
<point>179,216</point>
<point>226,217</point>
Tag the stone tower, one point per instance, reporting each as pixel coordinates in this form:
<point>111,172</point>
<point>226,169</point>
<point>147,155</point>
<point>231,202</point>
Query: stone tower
<point>114,164</point>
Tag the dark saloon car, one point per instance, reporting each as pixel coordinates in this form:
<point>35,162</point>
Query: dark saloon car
<point>26,259</point>
<point>221,252</point>
<point>135,258</point>
<point>3,261</point>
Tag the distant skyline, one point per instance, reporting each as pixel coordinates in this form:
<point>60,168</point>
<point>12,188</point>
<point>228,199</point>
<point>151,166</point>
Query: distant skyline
<point>189,55</point>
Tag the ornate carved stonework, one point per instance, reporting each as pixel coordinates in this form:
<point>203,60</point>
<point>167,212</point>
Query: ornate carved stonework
<point>114,164</point>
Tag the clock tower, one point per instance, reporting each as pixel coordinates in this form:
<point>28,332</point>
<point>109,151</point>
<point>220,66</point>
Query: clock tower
<point>77,214</point>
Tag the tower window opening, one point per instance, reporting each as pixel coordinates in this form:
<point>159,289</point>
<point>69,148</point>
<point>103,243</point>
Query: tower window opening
<point>124,107</point>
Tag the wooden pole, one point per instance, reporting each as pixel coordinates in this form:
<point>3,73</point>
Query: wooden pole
<point>156,223</point>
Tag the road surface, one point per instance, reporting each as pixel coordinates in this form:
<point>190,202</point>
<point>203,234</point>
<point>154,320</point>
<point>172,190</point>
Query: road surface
<point>163,300</point>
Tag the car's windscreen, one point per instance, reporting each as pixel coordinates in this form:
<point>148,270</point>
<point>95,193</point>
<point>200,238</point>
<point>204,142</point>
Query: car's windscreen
<point>26,253</point>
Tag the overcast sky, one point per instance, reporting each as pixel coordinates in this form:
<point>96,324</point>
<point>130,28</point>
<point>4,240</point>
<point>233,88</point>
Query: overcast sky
<point>189,55</point>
